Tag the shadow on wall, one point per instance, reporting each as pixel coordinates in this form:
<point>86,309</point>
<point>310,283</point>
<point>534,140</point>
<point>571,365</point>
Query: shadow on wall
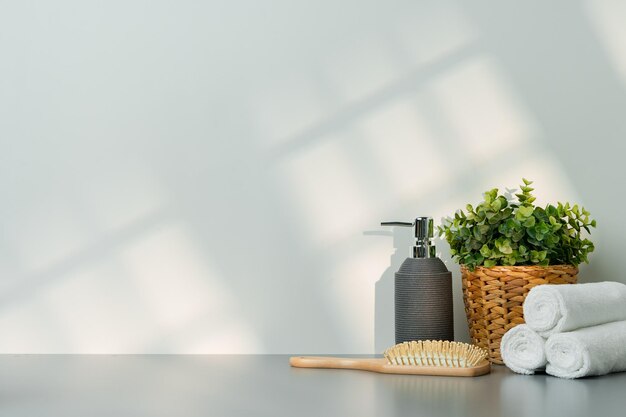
<point>266,144</point>
<point>574,82</point>
<point>384,320</point>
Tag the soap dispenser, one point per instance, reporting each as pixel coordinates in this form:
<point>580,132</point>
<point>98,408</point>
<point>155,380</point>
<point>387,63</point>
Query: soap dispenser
<point>423,289</point>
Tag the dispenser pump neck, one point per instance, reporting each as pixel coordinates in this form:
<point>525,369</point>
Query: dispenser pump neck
<point>424,232</point>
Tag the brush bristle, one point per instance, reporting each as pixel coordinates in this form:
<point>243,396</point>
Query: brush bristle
<point>435,353</point>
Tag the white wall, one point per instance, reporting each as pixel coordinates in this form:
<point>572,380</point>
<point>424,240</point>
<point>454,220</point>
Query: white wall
<point>182,176</point>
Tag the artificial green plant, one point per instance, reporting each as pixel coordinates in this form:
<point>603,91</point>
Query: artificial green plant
<point>499,231</point>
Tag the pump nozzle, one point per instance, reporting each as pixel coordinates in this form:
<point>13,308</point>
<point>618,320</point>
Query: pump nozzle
<point>396,224</point>
<point>424,231</point>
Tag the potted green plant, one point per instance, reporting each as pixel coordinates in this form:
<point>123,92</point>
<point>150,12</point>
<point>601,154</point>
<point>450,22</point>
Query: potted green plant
<point>506,246</point>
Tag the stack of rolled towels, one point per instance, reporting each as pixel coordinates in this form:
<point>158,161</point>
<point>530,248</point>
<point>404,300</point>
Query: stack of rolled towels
<point>571,331</point>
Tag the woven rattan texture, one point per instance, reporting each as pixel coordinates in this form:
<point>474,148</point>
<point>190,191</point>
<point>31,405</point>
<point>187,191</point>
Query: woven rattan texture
<point>494,296</point>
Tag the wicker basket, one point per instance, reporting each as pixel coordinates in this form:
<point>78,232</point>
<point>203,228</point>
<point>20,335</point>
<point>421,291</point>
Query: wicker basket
<point>493,298</point>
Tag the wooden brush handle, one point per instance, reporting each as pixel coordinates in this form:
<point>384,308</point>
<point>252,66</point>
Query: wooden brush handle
<point>336,363</point>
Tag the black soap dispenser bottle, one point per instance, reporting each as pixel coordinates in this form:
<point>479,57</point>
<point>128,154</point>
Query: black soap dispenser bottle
<point>423,290</point>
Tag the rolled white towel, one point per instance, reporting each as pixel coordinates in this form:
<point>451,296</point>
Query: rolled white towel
<point>550,309</point>
<point>522,350</point>
<point>596,350</point>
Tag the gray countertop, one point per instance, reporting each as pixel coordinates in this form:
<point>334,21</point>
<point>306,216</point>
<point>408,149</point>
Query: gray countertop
<point>265,385</point>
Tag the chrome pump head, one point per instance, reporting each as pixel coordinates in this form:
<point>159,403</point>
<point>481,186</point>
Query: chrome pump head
<point>424,232</point>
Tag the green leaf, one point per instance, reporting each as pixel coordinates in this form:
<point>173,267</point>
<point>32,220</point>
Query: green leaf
<point>574,224</point>
<point>534,256</point>
<point>504,246</point>
<point>489,263</point>
<point>517,235</point>
<point>495,219</point>
<point>477,234</point>
<point>525,211</point>
<point>551,211</point>
<point>542,228</point>
<point>490,195</point>
<point>526,182</point>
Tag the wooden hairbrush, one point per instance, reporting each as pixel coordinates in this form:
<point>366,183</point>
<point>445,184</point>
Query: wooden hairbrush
<point>429,357</point>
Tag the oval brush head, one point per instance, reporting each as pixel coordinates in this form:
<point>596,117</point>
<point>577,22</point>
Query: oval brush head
<point>435,353</point>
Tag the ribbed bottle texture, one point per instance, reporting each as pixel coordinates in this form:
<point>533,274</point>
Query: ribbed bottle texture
<point>423,301</point>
